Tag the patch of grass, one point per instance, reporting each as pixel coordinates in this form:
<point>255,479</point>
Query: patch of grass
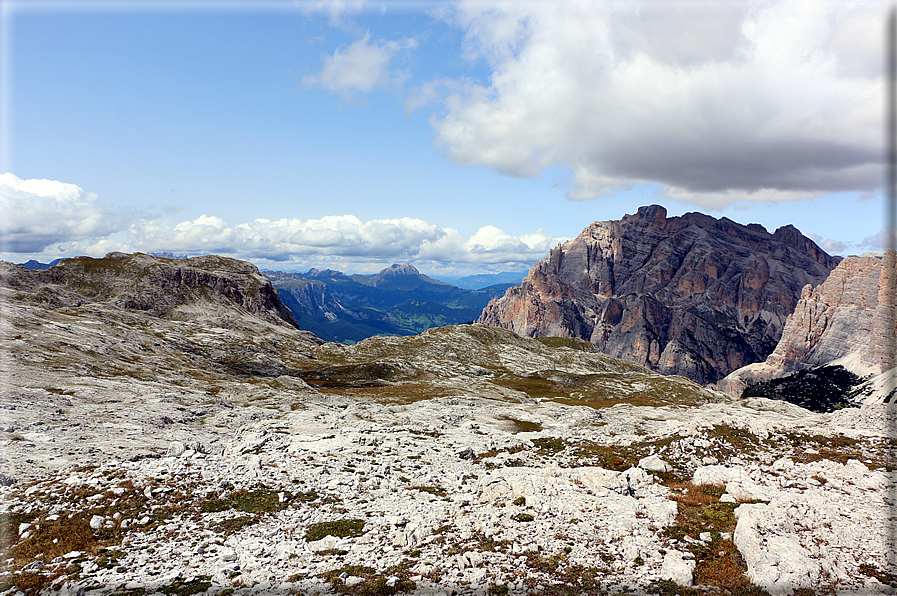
<point>717,563</point>
<point>884,577</point>
<point>306,497</point>
<point>28,582</point>
<point>375,583</point>
<point>494,452</point>
<point>183,587</point>
<point>332,552</point>
<point>522,426</point>
<point>520,501</point>
<point>433,490</point>
<point>567,579</point>
<point>549,445</point>
<point>259,500</point>
<point>523,517</point>
<point>236,524</point>
<point>341,528</point>
<point>56,538</point>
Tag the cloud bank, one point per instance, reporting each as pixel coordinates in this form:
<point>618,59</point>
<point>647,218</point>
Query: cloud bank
<point>37,213</point>
<point>719,102</point>
<point>49,219</point>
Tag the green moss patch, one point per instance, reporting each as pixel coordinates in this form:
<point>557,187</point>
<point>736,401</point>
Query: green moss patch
<point>341,528</point>
<point>259,500</point>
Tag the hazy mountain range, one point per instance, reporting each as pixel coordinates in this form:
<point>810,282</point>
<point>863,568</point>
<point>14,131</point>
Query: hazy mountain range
<point>399,300</point>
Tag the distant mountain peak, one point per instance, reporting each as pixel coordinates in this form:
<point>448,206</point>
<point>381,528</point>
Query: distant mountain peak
<point>405,269</point>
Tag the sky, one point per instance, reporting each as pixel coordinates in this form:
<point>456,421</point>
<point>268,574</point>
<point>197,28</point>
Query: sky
<point>463,136</point>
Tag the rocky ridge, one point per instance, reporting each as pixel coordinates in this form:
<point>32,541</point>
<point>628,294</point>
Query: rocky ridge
<point>150,454</point>
<point>689,295</point>
<point>163,287</point>
<point>848,320</point>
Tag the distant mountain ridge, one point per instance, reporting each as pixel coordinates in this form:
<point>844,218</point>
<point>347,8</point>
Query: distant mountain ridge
<point>482,281</point>
<point>399,300</point>
<point>692,295</point>
<point>38,266</point>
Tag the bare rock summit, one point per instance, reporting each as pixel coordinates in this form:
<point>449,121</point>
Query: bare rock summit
<point>691,295</point>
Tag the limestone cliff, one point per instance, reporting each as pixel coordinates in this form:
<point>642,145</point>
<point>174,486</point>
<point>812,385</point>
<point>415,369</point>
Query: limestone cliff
<point>848,320</point>
<point>181,289</point>
<point>690,295</point>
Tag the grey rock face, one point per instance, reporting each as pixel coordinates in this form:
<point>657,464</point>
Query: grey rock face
<point>691,295</point>
<point>849,319</point>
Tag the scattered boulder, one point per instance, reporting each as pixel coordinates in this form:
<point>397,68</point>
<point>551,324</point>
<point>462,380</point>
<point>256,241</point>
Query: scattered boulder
<point>677,568</point>
<point>653,463</point>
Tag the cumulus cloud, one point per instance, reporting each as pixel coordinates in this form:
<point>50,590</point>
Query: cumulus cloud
<point>37,213</point>
<point>46,219</point>
<point>360,67</point>
<point>718,102</point>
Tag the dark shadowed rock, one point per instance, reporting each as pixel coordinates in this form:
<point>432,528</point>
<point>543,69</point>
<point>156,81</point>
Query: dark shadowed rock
<point>690,295</point>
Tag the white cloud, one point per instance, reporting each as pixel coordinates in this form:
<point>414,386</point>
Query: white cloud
<point>832,247</point>
<point>717,101</point>
<point>878,242</point>
<point>361,67</point>
<point>37,213</point>
<point>336,9</point>
<point>49,219</point>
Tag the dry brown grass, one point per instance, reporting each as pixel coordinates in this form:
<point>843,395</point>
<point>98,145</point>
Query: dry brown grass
<point>689,494</point>
<point>717,563</point>
<point>56,538</point>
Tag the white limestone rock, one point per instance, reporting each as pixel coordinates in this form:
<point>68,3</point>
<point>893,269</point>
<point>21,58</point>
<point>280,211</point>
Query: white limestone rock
<point>677,568</point>
<point>653,463</point>
<point>778,563</point>
<point>176,449</point>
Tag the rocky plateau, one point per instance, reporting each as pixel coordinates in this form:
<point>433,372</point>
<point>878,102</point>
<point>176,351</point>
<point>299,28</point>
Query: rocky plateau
<point>166,429</point>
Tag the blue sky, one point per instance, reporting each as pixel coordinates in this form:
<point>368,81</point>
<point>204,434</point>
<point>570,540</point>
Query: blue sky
<point>465,137</point>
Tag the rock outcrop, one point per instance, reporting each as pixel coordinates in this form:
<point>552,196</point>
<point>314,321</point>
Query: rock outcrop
<point>848,320</point>
<point>162,287</point>
<point>690,295</point>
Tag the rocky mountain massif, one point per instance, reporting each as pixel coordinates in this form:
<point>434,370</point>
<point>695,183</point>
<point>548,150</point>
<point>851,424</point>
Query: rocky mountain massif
<point>205,445</point>
<point>690,295</point>
<point>399,300</point>
<point>848,321</point>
